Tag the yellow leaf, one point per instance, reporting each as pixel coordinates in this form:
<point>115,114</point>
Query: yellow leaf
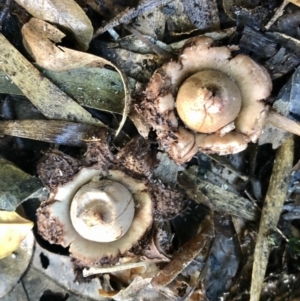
<point>13,229</point>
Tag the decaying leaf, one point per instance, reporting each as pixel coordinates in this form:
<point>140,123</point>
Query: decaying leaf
<point>66,14</point>
<point>39,38</point>
<point>128,14</point>
<point>13,229</point>
<point>15,186</point>
<point>63,264</point>
<point>203,14</point>
<point>97,88</point>
<point>50,100</point>
<point>296,2</point>
<point>13,267</point>
<point>228,6</point>
<point>276,195</point>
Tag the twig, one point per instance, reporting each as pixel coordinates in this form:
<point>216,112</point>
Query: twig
<point>284,123</point>
<point>276,195</point>
<point>279,12</point>
<point>128,14</point>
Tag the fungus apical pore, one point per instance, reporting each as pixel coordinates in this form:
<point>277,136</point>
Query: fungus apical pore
<point>102,210</point>
<point>208,100</point>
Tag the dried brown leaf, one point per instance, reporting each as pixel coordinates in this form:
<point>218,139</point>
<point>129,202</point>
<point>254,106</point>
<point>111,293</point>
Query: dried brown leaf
<point>66,14</point>
<point>186,254</point>
<point>39,40</point>
<point>51,101</point>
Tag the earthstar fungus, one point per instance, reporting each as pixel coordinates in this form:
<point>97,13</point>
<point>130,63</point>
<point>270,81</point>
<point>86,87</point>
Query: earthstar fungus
<point>104,208</point>
<point>218,98</point>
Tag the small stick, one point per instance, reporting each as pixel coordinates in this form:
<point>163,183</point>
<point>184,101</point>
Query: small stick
<point>284,123</point>
<point>279,12</point>
<point>276,195</point>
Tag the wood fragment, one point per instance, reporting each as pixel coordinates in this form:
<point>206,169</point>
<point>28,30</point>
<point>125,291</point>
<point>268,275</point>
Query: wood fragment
<point>128,14</point>
<point>279,12</point>
<point>276,195</point>
<point>52,131</point>
<point>116,268</point>
<point>283,122</point>
<point>37,88</point>
<point>215,197</point>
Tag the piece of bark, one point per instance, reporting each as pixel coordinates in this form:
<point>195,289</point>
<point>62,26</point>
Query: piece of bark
<point>280,126</point>
<point>265,49</point>
<point>276,195</point>
<point>257,43</point>
<point>38,89</point>
<point>215,197</point>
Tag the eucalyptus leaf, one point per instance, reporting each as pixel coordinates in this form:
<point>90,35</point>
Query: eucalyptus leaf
<point>15,185</point>
<point>96,88</point>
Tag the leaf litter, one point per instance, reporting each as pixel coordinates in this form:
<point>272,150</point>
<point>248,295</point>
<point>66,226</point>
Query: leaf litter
<point>220,265</point>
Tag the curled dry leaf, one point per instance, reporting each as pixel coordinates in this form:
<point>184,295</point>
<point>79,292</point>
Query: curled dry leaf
<point>186,253</point>
<point>39,39</point>
<point>13,229</point>
<point>67,14</point>
<point>51,101</point>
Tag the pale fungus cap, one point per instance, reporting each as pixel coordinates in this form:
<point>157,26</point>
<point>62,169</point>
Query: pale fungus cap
<point>95,234</point>
<point>102,210</point>
<point>218,98</point>
<point>208,100</point>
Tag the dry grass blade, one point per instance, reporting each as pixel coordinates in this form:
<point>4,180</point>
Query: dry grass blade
<point>276,195</point>
<point>39,89</point>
